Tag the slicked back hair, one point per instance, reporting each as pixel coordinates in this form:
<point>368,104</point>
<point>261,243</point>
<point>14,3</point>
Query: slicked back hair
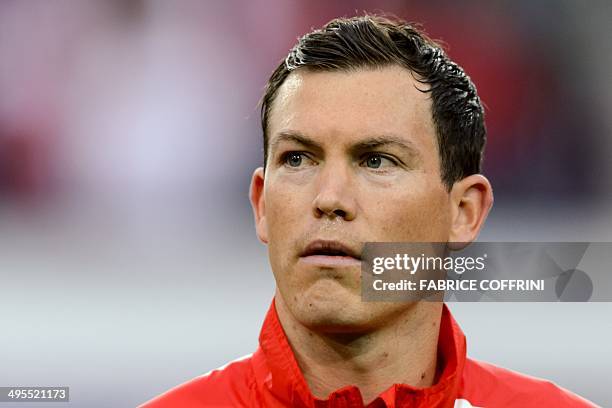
<point>369,42</point>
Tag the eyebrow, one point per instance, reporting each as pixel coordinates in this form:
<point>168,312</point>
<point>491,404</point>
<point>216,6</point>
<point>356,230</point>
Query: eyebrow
<point>386,140</point>
<point>362,146</point>
<point>295,137</point>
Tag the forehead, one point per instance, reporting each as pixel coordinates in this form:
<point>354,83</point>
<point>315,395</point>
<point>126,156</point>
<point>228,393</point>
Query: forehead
<point>345,106</point>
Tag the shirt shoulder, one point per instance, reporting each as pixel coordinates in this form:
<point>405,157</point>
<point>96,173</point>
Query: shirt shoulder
<point>228,386</point>
<point>485,385</point>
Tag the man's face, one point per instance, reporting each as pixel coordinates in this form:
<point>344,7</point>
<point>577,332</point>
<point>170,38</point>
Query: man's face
<point>352,158</point>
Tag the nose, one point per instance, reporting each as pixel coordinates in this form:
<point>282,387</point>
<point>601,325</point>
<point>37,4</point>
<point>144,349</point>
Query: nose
<point>335,193</point>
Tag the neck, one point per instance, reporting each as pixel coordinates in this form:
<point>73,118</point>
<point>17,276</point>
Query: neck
<point>404,350</point>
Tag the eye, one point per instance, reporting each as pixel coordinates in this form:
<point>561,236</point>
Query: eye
<point>295,159</point>
<point>377,161</point>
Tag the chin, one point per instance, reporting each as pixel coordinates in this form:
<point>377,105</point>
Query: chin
<point>328,306</point>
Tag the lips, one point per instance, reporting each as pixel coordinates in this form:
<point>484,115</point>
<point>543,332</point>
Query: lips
<point>330,254</point>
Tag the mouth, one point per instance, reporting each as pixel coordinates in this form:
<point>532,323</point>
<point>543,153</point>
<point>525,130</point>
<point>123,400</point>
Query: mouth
<point>330,254</point>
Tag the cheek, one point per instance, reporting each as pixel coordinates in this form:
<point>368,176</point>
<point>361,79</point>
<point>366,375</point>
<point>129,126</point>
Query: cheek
<point>281,210</point>
<point>417,214</point>
<point>284,217</point>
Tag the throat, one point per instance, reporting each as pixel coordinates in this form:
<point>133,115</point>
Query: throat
<point>404,351</point>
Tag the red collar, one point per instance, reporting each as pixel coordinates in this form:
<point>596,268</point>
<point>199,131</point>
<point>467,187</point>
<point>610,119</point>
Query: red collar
<point>277,370</point>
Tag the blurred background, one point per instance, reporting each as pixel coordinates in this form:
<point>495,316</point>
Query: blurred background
<point>128,134</point>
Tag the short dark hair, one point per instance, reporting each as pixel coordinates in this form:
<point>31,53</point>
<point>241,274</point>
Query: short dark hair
<point>371,41</point>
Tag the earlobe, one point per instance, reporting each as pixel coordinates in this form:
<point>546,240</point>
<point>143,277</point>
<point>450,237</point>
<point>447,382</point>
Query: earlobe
<point>471,198</point>
<point>256,196</point>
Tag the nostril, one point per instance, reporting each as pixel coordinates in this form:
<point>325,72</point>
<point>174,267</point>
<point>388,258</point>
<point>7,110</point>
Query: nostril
<point>340,213</point>
<point>333,212</point>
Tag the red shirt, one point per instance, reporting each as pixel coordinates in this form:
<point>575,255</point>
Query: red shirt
<point>270,377</point>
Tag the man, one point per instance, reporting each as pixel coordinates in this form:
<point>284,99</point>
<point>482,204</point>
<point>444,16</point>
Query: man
<point>371,133</point>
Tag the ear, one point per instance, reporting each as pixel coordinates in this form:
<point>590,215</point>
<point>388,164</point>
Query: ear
<point>471,200</point>
<point>256,195</point>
